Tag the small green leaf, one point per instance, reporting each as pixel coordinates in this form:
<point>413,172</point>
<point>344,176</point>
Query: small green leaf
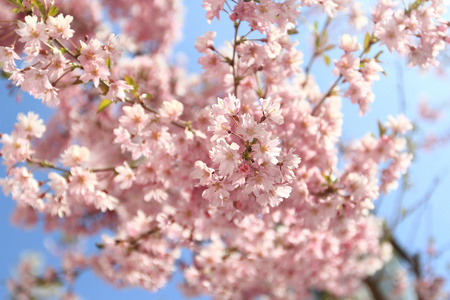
<point>104,104</point>
<point>367,40</point>
<point>41,8</point>
<point>329,47</point>
<point>327,60</point>
<point>104,88</point>
<point>53,11</point>
<point>77,81</point>
<point>130,81</point>
<point>317,42</point>
<point>292,31</point>
<point>381,129</point>
<point>108,63</point>
<point>63,50</point>
<point>316,25</point>
<point>378,55</point>
<point>324,38</point>
<point>260,93</point>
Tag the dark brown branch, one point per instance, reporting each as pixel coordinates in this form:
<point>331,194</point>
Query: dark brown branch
<point>374,288</point>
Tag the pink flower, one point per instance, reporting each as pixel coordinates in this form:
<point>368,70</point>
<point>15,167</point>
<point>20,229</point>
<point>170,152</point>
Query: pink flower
<point>288,164</point>
<point>258,184</point>
<point>7,57</point>
<point>57,183</point>
<point>349,44</point>
<point>217,194</point>
<point>228,106</point>
<point>117,90</point>
<point>94,71</point>
<point>203,173</point>
<point>272,110</point>
<point>275,196</point>
<point>266,150</point>
<point>31,30</point>
<point>104,201</point>
<point>220,126</point>
<point>392,35</point>
<point>82,182</point>
<point>227,156</point>
<point>399,125</point>
<point>59,27</point>
<point>57,64</point>
<point>213,8</point>
<point>171,110</point>
<point>134,119</point>
<point>91,52</point>
<point>250,129</point>
<point>125,176</point>
<point>205,42</point>
<point>30,125</point>
<point>75,156</point>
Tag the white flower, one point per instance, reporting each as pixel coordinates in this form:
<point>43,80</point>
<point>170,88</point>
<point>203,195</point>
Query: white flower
<point>349,44</point>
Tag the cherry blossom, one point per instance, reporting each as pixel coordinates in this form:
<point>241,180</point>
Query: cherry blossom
<point>244,165</point>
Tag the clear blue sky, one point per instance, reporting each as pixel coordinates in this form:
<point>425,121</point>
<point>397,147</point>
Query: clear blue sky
<point>13,241</point>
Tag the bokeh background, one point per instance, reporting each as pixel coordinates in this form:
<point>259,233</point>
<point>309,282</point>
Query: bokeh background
<point>399,92</point>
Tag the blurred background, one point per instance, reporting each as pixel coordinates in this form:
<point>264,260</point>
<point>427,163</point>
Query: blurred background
<point>417,212</point>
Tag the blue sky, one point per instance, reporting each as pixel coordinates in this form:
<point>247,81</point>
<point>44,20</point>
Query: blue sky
<point>413,233</point>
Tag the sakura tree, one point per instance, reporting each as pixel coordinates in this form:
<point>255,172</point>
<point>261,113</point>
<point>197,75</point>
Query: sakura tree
<point>243,165</point>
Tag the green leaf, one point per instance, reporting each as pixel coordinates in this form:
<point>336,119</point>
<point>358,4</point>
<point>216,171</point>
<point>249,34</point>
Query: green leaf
<point>63,50</point>
<point>367,40</point>
<point>130,81</point>
<point>41,8</point>
<point>381,129</point>
<point>104,88</point>
<point>327,60</point>
<point>77,81</point>
<point>104,104</point>
<point>378,54</point>
<point>292,31</point>
<point>53,11</point>
<point>108,63</point>
<point>329,47</point>
<point>324,37</point>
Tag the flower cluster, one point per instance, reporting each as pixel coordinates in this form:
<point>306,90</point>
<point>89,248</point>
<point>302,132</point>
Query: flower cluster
<point>419,32</point>
<point>358,73</point>
<point>49,59</point>
<point>255,169</point>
